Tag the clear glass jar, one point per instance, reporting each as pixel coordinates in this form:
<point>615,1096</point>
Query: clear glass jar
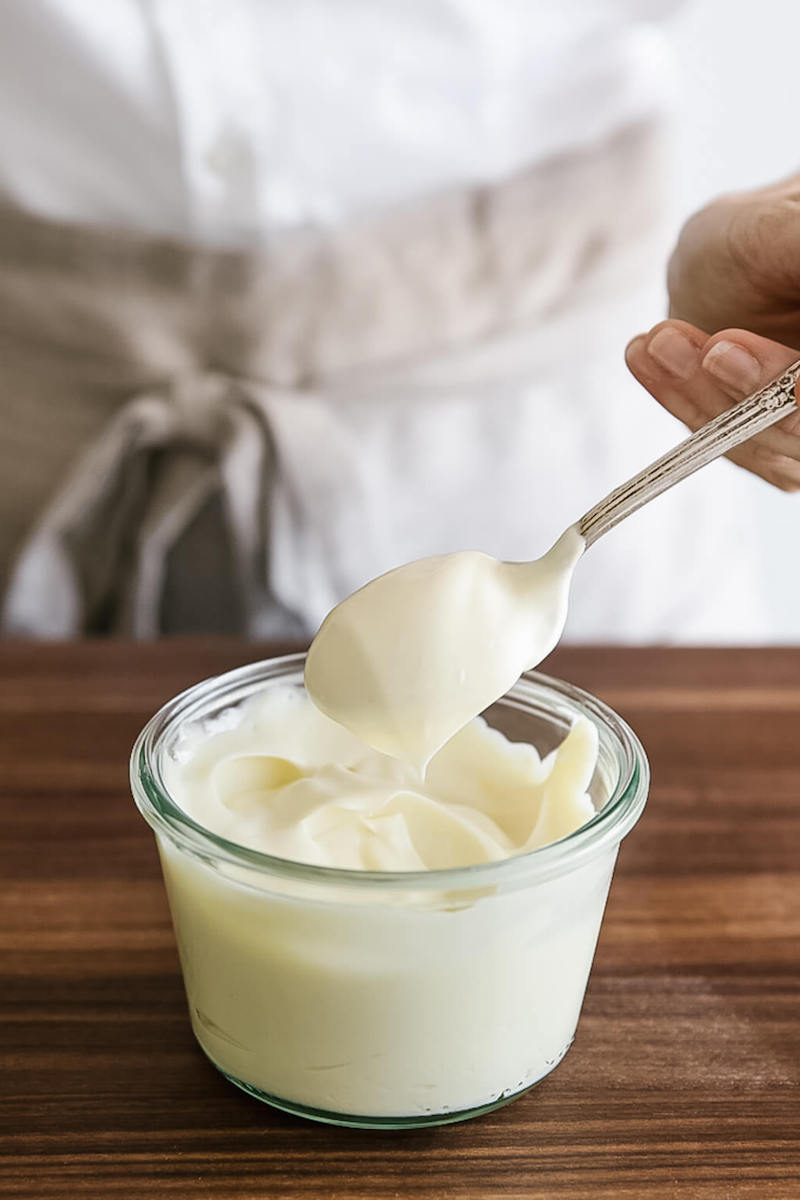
<point>388,999</point>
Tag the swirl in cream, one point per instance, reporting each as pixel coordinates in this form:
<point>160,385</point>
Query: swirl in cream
<point>288,781</point>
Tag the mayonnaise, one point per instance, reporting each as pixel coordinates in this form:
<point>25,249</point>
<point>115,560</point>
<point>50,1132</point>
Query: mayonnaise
<point>288,781</point>
<point>400,1001</point>
<point>392,1000</point>
<point>410,658</point>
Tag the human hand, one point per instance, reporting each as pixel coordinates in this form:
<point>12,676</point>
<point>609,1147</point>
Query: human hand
<point>737,264</point>
<point>696,377</point>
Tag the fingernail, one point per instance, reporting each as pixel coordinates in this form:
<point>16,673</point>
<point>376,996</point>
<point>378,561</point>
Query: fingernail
<point>634,346</point>
<point>674,352</point>
<point>734,366</point>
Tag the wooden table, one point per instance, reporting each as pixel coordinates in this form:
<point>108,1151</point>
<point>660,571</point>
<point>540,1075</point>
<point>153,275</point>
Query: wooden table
<point>684,1081</point>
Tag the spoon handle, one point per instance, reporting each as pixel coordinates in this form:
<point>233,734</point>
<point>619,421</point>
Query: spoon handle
<point>736,425</point>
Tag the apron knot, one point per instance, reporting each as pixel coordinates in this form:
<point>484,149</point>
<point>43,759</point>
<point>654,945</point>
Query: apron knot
<point>121,532</point>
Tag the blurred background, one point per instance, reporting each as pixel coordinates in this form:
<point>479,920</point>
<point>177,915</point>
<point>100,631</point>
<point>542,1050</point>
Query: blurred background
<point>732,103</point>
<point>293,292</point>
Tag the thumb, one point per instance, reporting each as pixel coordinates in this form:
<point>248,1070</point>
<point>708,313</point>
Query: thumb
<point>740,362</point>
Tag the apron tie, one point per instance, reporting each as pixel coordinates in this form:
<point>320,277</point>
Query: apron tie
<point>99,555</point>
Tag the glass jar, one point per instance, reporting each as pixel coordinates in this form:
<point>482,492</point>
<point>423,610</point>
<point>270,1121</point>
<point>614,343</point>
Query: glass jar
<point>388,999</point>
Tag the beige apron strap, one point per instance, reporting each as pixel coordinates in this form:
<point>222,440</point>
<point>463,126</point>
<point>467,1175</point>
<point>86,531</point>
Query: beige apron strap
<point>99,555</point>
<point>184,483</point>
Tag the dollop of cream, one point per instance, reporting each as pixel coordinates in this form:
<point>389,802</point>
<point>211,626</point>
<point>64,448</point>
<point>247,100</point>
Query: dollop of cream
<point>279,776</point>
<point>412,656</point>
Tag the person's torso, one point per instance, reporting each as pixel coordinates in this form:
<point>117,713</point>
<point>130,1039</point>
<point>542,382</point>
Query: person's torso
<point>403,183</point>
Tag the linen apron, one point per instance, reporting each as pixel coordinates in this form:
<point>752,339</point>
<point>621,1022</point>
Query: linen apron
<point>228,440</point>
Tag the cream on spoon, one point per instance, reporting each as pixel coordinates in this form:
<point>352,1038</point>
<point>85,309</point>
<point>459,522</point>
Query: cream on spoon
<point>408,659</point>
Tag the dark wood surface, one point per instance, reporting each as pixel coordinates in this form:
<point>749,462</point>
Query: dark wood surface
<point>684,1081</point>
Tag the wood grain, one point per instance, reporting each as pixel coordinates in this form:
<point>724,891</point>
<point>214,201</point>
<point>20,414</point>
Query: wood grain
<point>684,1082</point>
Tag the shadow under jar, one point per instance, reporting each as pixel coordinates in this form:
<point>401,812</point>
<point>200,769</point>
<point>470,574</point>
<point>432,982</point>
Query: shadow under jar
<point>388,999</point>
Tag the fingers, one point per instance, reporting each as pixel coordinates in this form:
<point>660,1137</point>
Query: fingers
<point>696,377</point>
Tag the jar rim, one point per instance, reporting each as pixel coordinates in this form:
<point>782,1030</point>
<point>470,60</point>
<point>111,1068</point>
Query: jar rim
<point>608,826</point>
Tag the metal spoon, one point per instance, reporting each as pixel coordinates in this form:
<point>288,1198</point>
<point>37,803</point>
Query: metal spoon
<point>408,659</point>
<point>772,403</point>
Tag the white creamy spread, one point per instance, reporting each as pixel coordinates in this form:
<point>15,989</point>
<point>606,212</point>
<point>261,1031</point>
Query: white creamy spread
<point>392,1000</point>
<point>288,781</point>
<point>410,658</point>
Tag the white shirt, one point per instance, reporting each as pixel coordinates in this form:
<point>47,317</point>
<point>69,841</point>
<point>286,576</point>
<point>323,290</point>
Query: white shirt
<point>230,120</point>
<point>226,119</point>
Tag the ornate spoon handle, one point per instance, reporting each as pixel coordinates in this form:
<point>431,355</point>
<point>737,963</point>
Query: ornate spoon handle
<point>736,425</point>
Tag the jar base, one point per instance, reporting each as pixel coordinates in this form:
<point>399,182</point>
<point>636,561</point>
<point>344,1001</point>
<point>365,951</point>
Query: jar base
<point>349,1120</point>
